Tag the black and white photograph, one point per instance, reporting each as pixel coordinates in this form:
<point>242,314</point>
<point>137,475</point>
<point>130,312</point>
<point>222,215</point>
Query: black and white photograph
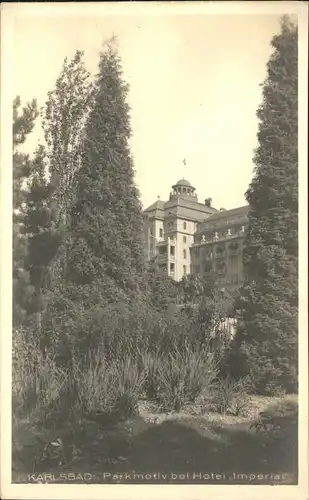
<point>154,289</point>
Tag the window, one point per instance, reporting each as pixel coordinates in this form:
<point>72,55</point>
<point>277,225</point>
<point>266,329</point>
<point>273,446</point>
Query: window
<point>234,279</point>
<point>233,245</point>
<point>184,269</point>
<point>185,254</point>
<point>172,250</point>
<point>233,262</point>
<point>207,267</point>
<point>185,225</point>
<point>185,239</point>
<point>151,232</point>
<point>172,267</point>
<point>161,232</point>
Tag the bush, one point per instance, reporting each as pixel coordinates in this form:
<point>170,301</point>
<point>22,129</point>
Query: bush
<point>150,363</point>
<point>230,395</point>
<point>37,383</point>
<point>52,395</point>
<point>128,384</point>
<point>94,382</point>
<point>108,389</point>
<point>182,376</point>
<point>278,416</point>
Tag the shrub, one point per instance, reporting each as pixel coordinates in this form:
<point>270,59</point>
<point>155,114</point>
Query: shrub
<point>182,376</point>
<point>272,389</point>
<point>110,389</point>
<point>94,381</point>
<point>230,395</point>
<point>277,415</point>
<point>128,382</point>
<point>150,363</point>
<point>52,394</point>
<point>37,383</point>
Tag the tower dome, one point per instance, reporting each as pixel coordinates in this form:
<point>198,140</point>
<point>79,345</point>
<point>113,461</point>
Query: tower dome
<point>183,182</point>
<point>184,188</point>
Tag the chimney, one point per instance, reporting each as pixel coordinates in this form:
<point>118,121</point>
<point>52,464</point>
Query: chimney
<point>208,202</point>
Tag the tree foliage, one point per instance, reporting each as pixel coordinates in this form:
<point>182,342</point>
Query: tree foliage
<point>23,124</point>
<point>267,337</point>
<point>106,244</point>
<point>64,118</point>
<point>43,235</point>
<point>163,291</point>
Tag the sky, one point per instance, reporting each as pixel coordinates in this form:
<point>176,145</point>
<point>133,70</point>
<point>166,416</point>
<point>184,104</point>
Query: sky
<point>194,90</point>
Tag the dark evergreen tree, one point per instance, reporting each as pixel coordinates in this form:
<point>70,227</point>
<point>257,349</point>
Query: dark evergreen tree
<point>44,236</point>
<point>23,124</point>
<point>106,252</point>
<point>266,344</point>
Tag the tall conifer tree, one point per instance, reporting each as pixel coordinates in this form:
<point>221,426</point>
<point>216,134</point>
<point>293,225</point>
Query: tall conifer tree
<point>107,241</point>
<point>268,336</point>
<point>43,234</point>
<point>23,124</point>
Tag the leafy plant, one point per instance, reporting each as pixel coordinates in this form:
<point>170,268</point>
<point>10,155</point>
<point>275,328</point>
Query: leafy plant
<point>151,362</point>
<point>182,376</point>
<point>230,396</point>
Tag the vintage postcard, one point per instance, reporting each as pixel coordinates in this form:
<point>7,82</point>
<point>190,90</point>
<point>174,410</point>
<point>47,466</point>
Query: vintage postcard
<point>154,250</point>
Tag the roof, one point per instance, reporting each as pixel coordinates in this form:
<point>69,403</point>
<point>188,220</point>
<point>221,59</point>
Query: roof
<point>183,182</point>
<point>229,213</point>
<point>157,205</point>
<point>188,202</point>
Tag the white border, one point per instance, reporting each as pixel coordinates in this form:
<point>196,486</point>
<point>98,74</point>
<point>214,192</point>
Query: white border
<point>13,491</point>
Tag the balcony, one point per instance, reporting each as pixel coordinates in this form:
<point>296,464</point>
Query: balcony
<point>208,239</point>
<point>162,257</point>
<point>162,243</point>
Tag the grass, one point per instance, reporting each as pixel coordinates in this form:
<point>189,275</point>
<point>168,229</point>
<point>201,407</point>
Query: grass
<point>183,442</point>
<point>160,412</point>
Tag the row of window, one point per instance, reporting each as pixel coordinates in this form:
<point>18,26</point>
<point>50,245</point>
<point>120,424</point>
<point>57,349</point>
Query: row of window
<point>170,225</point>
<point>208,251</point>
<point>172,268</point>
<point>161,233</point>
<point>172,252</point>
<point>233,261</point>
<point>226,222</point>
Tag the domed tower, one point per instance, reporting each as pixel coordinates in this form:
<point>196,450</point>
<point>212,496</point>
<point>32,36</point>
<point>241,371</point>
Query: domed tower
<point>183,188</point>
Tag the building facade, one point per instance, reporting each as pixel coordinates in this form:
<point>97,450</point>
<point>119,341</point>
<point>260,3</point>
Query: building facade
<point>170,227</point>
<point>219,244</point>
<point>188,237</point>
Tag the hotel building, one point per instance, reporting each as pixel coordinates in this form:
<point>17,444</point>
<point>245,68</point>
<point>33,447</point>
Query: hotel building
<point>186,236</point>
<point>170,227</point>
<point>218,245</point>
